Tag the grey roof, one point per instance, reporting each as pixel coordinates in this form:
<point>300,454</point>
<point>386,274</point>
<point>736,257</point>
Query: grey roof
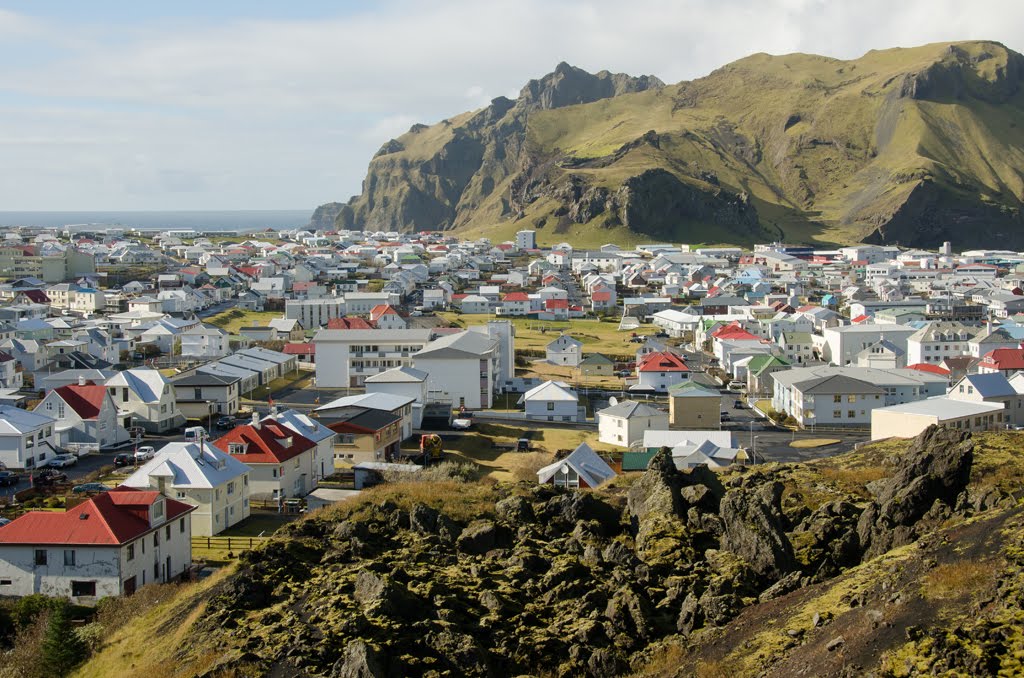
<point>943,408</point>
<point>459,345</point>
<point>398,375</point>
<point>205,379</point>
<point>380,336</point>
<point>839,383</point>
<point>992,385</point>
<point>631,408</point>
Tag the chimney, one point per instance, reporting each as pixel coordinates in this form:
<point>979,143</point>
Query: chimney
<point>256,420</point>
<point>81,380</point>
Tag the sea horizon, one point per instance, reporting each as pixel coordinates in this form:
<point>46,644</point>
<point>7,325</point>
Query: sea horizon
<point>203,220</point>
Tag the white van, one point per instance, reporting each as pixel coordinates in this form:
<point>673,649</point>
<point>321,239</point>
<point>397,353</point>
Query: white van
<point>195,433</point>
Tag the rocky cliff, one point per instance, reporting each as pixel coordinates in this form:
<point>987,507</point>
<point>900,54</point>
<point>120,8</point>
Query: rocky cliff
<point>900,559</point>
<point>910,146</point>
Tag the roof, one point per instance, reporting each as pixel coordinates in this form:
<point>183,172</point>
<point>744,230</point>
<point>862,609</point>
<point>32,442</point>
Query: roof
<point>662,361</point>
<point>354,323</point>
<point>362,420</point>
<point>931,369</point>
<point>591,468</point>
<point>266,443</point>
<point>1004,359</point>
<point>990,385</point>
<point>387,402</point>
<point>86,401</point>
<point>631,408</point>
<point>189,466</point>
<point>551,390</point>
<point>563,341</point>
<point>460,345</point>
<point>16,421</point>
<point>109,519</point>
<point>397,375</point>
<point>659,439</point>
<point>147,383</point>
<point>636,461</point>
<point>839,383</point>
<point>943,408</point>
<point>691,389</point>
<point>308,348</point>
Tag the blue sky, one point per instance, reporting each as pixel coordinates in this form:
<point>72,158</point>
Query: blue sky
<point>279,105</point>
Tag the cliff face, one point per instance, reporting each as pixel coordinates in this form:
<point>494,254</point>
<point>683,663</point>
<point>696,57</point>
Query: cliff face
<point>913,146</point>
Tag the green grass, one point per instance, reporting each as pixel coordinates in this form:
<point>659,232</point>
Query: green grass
<point>234,320</point>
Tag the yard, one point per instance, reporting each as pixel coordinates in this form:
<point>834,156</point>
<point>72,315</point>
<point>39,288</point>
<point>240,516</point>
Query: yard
<point>247,534</point>
<point>235,319</point>
<point>480,447</point>
<point>596,336</point>
<point>570,375</point>
<point>296,380</point>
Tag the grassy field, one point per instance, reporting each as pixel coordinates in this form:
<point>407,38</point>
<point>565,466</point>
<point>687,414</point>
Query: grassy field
<point>541,369</point>
<point>297,380</point>
<point>597,336</point>
<point>235,319</point>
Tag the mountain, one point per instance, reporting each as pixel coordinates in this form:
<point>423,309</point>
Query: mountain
<point>902,558</point>
<point>910,146</point>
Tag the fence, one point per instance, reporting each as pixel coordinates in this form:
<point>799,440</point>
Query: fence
<point>226,544</point>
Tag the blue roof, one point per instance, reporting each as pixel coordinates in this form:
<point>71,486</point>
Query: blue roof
<point>993,385</point>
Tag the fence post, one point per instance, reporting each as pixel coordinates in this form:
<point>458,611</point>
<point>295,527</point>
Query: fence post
<point>207,543</point>
<point>229,544</point>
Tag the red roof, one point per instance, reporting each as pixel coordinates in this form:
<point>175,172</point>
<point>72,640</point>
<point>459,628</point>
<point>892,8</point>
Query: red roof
<point>861,318</point>
<point>662,361</point>
<point>734,332</point>
<point>516,296</point>
<point>86,401</point>
<point>266,444</point>
<point>308,348</point>
<point>348,324</point>
<point>382,309</point>
<point>603,295</point>
<point>552,304</point>
<point>115,517</point>
<point>931,369</point>
<point>37,296</point>
<point>1003,359</point>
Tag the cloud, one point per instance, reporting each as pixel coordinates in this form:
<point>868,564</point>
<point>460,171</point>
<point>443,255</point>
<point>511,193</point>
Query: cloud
<point>286,113</point>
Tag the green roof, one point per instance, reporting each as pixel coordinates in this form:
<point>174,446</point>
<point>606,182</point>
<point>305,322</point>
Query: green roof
<point>636,461</point>
<point>761,362</point>
<point>691,389</point>
<point>591,358</point>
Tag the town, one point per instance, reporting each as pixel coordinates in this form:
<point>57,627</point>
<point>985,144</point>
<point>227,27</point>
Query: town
<point>195,391</point>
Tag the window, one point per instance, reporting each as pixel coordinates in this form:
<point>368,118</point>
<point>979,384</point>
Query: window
<point>850,414</point>
<point>236,448</point>
<point>156,538</point>
<point>837,398</point>
<point>5,582</point>
<point>83,588</point>
<point>40,556</point>
<point>837,414</point>
<point>181,526</point>
<point>124,395</point>
<point>69,558</point>
<point>851,399</point>
<point>551,407</point>
<point>167,533</point>
<point>347,439</point>
<point>158,509</point>
<point>231,488</point>
<point>131,552</point>
<point>273,473</point>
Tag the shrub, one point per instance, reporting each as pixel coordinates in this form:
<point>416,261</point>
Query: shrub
<point>61,650</point>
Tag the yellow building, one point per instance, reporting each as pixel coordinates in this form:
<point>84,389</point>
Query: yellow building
<point>366,435</point>
<point>694,407</point>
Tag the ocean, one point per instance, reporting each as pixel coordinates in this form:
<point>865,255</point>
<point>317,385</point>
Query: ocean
<point>226,220</point>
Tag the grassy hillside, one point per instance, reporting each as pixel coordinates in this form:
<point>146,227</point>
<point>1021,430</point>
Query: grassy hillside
<point>910,145</point>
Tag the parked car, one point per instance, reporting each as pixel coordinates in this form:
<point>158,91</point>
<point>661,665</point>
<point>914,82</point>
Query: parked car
<point>625,373</point>
<point>49,476</point>
<point>738,404</point>
<point>195,433</point>
<point>62,460</point>
<point>144,453</point>
<point>5,521</point>
<point>462,423</point>
<point>8,479</point>
<point>122,459</point>
<point>226,422</point>
<point>88,488</point>
<point>662,335</point>
<point>726,416</point>
<point>737,386</point>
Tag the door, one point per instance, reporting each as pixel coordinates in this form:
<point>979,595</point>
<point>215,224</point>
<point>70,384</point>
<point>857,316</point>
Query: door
<point>129,586</point>
<point>226,523</point>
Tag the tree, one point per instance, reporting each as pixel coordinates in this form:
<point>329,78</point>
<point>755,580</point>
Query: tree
<point>62,650</point>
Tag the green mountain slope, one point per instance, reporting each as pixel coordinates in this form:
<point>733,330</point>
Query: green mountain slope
<point>910,146</point>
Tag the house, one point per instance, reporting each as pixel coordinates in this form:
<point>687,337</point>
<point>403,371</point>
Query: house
<point>596,365</point>
<point>283,463</point>
<point>365,435</point>
<point>909,419</point>
<point>624,423</point>
<point>204,341</point>
<point>842,344</point>
<point>107,545</point>
<point>345,358</point>
<point>311,429</point>
<point>654,440</point>
<point>461,368</point>
<point>564,351</point>
<point>583,468</point>
<point>201,394</point>
<point>86,417</point>
<point>26,438</point>
<point>551,401</point>
<point>147,395</point>
<point>693,406</point>
<point>883,355</point>
<point>287,329</point>
<point>688,455</point>
<point>991,388</point>
<point>200,475</point>
<point>797,347</point>
<point>397,404</point>
<point>659,371</point>
<point>1007,361</point>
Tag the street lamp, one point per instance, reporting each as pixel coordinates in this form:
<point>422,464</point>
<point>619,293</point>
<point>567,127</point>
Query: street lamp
<point>753,454</point>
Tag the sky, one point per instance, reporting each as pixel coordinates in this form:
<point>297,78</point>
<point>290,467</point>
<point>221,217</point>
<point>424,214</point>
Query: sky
<point>280,105</point>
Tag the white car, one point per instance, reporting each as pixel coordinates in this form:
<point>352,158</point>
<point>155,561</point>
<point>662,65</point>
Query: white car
<point>462,424</point>
<point>144,453</point>
<point>62,460</point>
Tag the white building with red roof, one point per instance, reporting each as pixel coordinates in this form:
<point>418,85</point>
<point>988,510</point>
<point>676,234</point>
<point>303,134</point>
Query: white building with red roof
<point>660,371</point>
<point>385,317</point>
<point>283,462</point>
<point>1008,361</point>
<point>107,545</point>
<point>86,416</point>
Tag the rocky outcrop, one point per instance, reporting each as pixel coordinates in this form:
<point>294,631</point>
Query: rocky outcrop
<point>324,216</point>
<point>754,528</point>
<point>931,475</point>
<point>568,86</point>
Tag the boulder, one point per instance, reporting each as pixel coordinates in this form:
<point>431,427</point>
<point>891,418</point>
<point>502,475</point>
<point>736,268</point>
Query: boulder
<point>381,594</point>
<point>481,536</point>
<point>753,529</point>
<point>657,491</point>
<point>423,519</point>
<point>361,660</point>
<point>514,510</point>
<point>935,469</point>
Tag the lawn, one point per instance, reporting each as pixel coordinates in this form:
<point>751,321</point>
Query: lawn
<point>479,447</point>
<point>235,319</point>
<point>571,375</point>
<point>812,443</point>
<point>597,336</point>
<point>247,534</point>
<point>291,380</point>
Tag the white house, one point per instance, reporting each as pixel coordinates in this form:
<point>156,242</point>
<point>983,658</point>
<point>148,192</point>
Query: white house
<point>659,371</point>
<point>564,351</point>
<point>203,341</point>
<point>624,423</point>
<point>86,417</point>
<point>551,401</point>
<point>310,429</point>
<point>283,463</point>
<point>200,475</point>
<point>148,396</point>
<point>462,369</point>
<point>345,358</point>
<point>403,381</point>
<point>108,545</point>
<point>583,468</point>
<point>26,438</point>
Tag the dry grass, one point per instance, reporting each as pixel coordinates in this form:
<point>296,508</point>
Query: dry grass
<point>854,480</point>
<point>950,580</point>
<point>811,443</point>
<point>235,319</point>
<point>460,501</point>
